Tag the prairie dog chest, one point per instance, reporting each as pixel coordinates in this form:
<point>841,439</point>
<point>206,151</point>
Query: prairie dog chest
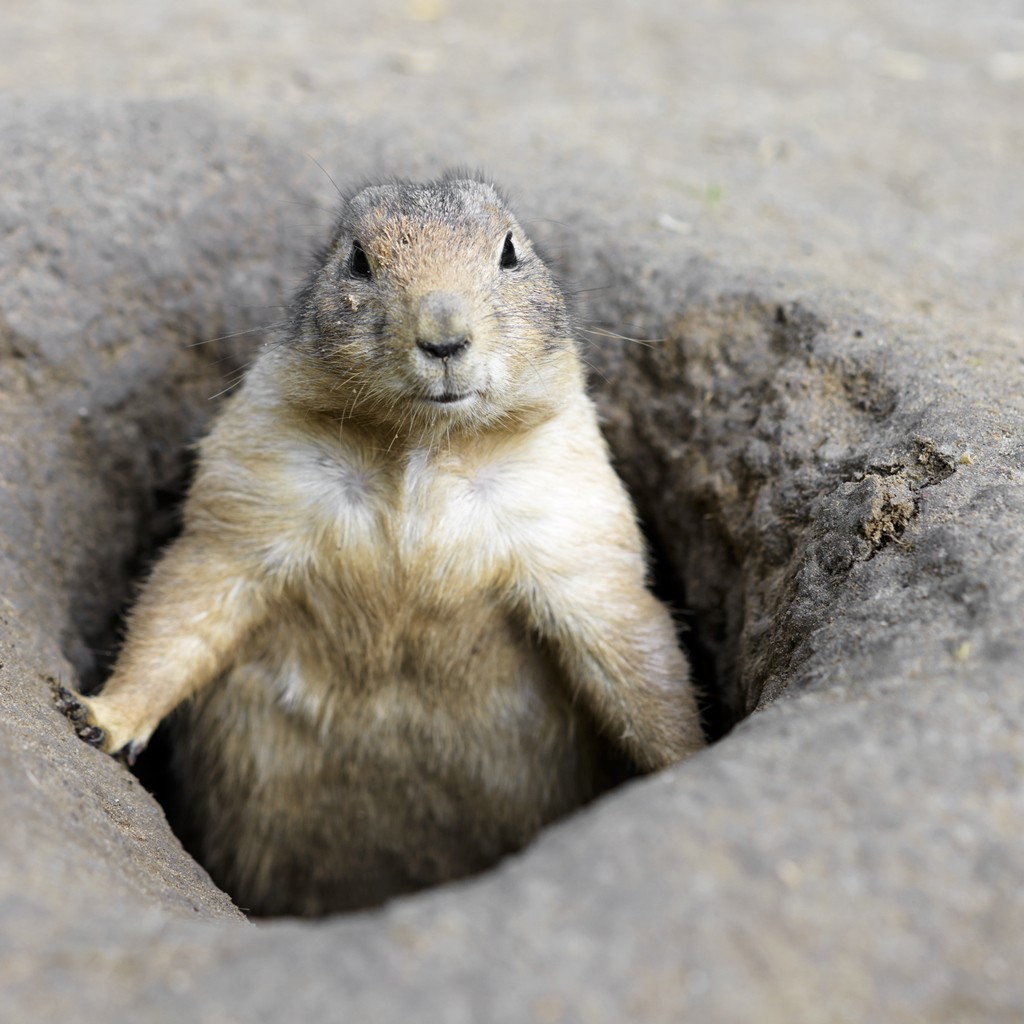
<point>419,520</point>
<point>402,568</point>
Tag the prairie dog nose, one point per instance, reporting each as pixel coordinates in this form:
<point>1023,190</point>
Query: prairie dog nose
<point>442,325</point>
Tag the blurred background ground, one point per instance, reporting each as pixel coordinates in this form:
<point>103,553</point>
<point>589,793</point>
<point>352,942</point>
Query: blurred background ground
<point>879,144</point>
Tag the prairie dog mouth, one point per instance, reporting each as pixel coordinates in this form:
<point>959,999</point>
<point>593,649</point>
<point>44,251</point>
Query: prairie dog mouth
<point>450,398</point>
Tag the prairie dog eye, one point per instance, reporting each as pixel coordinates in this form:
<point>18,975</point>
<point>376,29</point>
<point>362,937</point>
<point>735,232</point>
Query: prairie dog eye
<point>359,263</point>
<point>509,258</point>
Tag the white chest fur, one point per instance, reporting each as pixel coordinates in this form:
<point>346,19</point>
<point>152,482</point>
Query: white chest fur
<point>407,564</point>
<point>424,513</point>
<point>507,513</point>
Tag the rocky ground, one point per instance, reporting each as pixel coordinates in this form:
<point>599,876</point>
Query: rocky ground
<point>811,219</point>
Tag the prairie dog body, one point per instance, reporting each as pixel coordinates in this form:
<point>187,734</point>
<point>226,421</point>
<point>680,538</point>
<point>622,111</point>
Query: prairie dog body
<point>409,602</point>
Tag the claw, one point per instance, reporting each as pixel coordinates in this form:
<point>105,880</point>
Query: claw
<point>92,734</point>
<point>129,752</point>
<point>69,705</point>
<point>81,715</point>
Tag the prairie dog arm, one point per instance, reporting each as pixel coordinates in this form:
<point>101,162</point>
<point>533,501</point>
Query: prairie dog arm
<point>618,647</point>
<point>195,610</point>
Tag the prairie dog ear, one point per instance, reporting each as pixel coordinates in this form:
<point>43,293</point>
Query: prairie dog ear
<point>509,258</point>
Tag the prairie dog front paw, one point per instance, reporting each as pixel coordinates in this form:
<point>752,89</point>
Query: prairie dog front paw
<point>102,724</point>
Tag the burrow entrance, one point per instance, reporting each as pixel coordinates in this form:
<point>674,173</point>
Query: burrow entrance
<point>734,431</point>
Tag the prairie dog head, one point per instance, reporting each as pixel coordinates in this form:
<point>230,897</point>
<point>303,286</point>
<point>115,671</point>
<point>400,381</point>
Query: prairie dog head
<point>430,311</point>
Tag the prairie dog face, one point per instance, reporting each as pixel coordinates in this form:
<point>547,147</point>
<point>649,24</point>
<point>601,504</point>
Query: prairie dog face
<point>430,311</point>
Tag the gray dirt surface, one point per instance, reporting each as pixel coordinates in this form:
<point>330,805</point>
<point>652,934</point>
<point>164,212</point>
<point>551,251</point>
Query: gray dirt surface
<point>810,219</point>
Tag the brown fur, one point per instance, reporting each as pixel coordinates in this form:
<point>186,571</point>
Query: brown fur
<point>409,627</point>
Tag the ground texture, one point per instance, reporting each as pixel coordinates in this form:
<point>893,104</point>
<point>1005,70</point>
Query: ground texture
<point>810,218</point>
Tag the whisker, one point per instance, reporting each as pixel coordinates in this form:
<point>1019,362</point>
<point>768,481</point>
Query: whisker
<point>594,369</point>
<point>231,385</point>
<point>262,328</point>
<point>601,333</point>
<point>572,292</point>
<point>329,178</point>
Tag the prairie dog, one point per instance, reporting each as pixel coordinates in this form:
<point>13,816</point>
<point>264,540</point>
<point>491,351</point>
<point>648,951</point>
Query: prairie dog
<point>407,617</point>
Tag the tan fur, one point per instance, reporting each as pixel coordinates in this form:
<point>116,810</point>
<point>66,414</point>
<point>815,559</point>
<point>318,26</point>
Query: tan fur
<point>410,628</point>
